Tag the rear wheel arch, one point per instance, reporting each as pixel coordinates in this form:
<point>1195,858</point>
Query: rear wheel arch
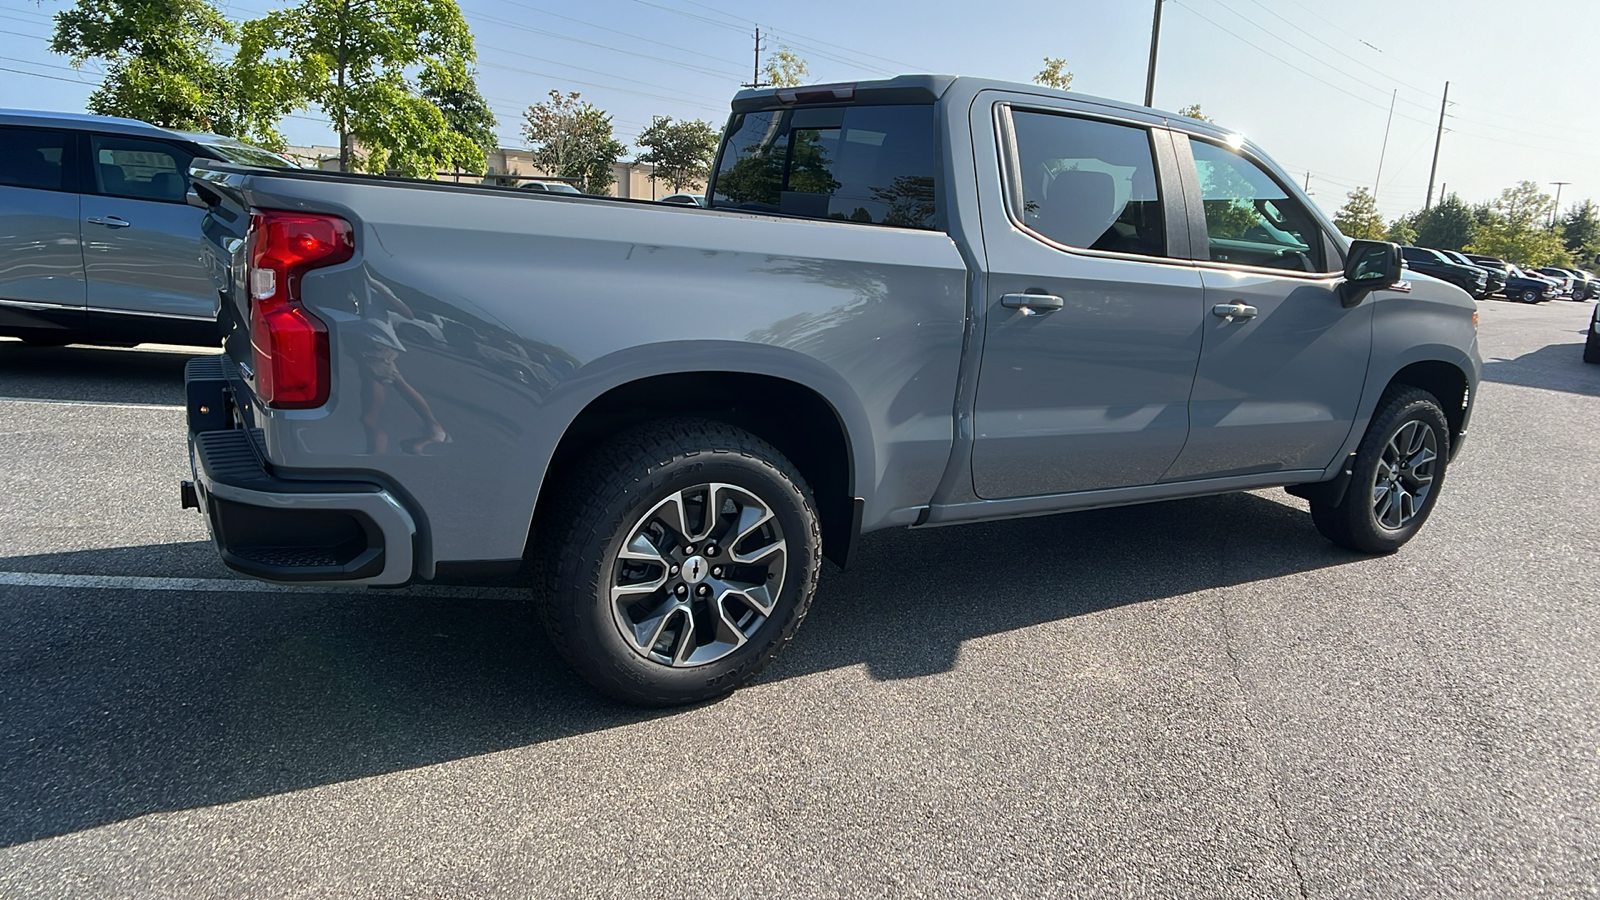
<point>796,419</point>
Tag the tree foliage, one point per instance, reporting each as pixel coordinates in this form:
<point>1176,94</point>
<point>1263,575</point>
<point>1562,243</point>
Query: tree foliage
<point>680,151</point>
<point>355,59</point>
<point>573,138</point>
<point>1514,227</point>
<point>1194,111</point>
<point>454,90</point>
<point>168,63</point>
<point>1450,225</point>
<point>1402,231</point>
<point>1359,217</point>
<point>786,68</point>
<point>1054,74</point>
<point>1580,232</point>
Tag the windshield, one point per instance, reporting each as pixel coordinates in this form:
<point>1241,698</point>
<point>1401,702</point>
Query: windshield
<point>246,155</point>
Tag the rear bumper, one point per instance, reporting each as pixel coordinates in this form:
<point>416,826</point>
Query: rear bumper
<point>287,530</point>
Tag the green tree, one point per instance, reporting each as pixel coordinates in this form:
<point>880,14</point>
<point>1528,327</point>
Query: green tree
<point>1054,74</point>
<point>1402,231</point>
<point>680,152</point>
<point>1580,232</point>
<point>573,139</point>
<point>355,60</point>
<point>454,90</point>
<point>786,68</point>
<point>1194,111</point>
<point>1514,227</point>
<point>1449,225</point>
<point>1359,217</point>
<point>167,63</point>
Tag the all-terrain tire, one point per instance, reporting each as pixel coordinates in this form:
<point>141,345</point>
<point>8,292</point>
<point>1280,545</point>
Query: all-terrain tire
<point>1353,522</point>
<point>593,513</point>
<point>1591,347</point>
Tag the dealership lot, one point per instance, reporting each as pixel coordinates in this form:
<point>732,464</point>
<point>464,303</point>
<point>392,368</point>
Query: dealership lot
<point>1193,698</point>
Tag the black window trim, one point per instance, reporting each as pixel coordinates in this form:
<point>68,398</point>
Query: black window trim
<point>1200,235</point>
<point>70,174</point>
<point>91,181</point>
<point>1174,217</point>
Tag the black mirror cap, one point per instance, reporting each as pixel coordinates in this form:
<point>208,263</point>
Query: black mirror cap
<point>1370,266</point>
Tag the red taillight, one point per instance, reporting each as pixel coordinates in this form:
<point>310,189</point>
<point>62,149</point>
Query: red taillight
<point>291,344</point>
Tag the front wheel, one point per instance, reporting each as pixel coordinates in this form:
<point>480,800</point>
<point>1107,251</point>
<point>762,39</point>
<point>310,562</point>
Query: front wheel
<point>1591,347</point>
<point>1529,295</point>
<point>1395,480</point>
<point>677,562</point>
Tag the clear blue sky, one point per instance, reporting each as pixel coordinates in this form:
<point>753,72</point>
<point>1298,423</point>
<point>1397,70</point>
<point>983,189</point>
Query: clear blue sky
<point>1311,81</point>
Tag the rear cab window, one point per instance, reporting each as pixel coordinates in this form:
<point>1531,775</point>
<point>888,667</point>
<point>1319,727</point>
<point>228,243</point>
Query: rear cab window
<point>872,164</point>
<point>34,158</point>
<point>139,169</point>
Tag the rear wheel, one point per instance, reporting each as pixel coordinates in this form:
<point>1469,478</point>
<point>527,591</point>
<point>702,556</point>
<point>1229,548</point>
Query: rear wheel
<point>1395,480</point>
<point>677,562</point>
<point>1591,347</point>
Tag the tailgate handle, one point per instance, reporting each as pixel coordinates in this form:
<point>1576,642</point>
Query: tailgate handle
<point>1033,303</point>
<point>109,221</point>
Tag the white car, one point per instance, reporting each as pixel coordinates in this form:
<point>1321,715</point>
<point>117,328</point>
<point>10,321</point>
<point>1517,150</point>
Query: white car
<point>684,199</point>
<point>548,187</point>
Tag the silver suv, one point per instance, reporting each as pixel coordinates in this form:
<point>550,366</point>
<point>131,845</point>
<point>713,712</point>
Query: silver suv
<point>97,244</point>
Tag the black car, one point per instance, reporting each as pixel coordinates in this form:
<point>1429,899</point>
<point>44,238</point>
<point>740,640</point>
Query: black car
<point>1473,280</point>
<point>1497,275</point>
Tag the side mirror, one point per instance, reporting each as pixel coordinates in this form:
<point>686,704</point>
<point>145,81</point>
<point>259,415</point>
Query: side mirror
<point>1370,266</point>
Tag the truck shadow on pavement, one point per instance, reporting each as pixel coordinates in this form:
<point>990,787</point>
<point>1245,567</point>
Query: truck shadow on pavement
<point>1557,367</point>
<point>93,374</point>
<point>117,704</point>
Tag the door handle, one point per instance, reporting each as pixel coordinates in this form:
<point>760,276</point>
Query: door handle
<point>1234,310</point>
<point>1033,304</point>
<point>109,221</point>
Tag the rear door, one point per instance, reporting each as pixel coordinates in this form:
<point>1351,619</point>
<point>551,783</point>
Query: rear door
<point>41,263</point>
<point>141,240</point>
<point>1094,311</point>
<point>1283,362</point>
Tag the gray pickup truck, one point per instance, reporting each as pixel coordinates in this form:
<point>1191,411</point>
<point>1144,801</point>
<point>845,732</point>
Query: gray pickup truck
<point>913,302</point>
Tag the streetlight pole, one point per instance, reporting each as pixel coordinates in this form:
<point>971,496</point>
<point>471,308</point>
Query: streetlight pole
<point>1155,44</point>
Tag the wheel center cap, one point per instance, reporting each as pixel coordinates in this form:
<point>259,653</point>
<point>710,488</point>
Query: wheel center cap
<point>695,569</point>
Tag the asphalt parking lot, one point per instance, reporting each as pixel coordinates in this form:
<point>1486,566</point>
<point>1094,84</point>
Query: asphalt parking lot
<point>1191,699</point>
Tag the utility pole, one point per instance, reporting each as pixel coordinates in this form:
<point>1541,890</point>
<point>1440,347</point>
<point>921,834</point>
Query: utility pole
<point>1384,152</point>
<point>755,71</point>
<point>1437,139</point>
<point>1308,182</point>
<point>1556,210</point>
<point>1155,44</point>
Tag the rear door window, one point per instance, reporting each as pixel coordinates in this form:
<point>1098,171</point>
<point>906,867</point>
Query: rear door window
<point>139,169</point>
<point>869,164</point>
<point>1089,184</point>
<point>33,158</point>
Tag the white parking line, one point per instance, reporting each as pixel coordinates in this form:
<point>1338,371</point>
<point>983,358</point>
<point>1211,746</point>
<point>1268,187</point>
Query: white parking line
<point>238,586</point>
<point>93,403</point>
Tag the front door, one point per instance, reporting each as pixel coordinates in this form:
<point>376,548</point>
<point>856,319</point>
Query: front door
<point>1093,324</point>
<point>1283,363</point>
<point>141,242</point>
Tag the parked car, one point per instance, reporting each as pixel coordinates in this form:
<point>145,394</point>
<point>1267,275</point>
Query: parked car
<point>96,242</point>
<point>1495,274</point>
<point>1591,346</point>
<point>684,199</point>
<point>548,187</point>
<point>1529,287</point>
<point>1566,284</point>
<point>1587,287</point>
<point>1156,309</point>
<point>1469,278</point>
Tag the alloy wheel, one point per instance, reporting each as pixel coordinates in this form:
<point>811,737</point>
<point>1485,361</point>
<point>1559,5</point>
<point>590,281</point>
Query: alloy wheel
<point>1405,475</point>
<point>700,572</point>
